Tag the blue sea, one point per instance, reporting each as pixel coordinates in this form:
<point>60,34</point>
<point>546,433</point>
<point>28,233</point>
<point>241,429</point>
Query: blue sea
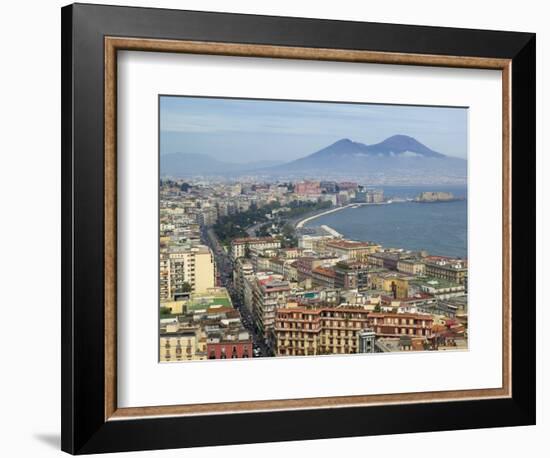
<point>439,228</point>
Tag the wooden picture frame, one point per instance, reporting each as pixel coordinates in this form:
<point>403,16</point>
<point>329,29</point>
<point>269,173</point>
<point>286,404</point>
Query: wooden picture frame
<point>91,37</point>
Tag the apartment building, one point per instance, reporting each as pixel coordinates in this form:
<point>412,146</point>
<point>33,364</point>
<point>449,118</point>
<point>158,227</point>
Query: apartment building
<point>397,324</point>
<point>239,247</point>
<point>411,266</point>
<point>243,269</point>
<point>351,250</point>
<point>453,270</point>
<point>301,330</point>
<point>183,345</point>
<point>185,264</point>
<point>229,344</point>
<point>323,276</point>
<point>352,275</point>
<point>269,292</point>
<point>165,285</point>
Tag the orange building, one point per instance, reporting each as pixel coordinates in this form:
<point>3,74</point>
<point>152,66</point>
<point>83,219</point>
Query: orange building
<point>302,330</point>
<point>308,188</point>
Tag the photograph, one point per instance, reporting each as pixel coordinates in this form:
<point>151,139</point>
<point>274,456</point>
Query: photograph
<point>283,225</point>
<point>310,228</point>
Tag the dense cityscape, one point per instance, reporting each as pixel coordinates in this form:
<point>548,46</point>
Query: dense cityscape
<point>242,275</point>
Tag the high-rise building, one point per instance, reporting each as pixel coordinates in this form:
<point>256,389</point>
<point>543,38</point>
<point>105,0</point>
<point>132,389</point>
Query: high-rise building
<point>208,216</point>
<point>243,269</point>
<point>268,294</point>
<point>183,265</point>
<point>165,284</point>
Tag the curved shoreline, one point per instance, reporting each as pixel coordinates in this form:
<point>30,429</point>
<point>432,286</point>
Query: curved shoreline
<point>363,226</point>
<point>300,223</point>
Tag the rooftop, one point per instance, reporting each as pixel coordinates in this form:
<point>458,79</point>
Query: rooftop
<point>421,316</point>
<point>349,244</point>
<point>212,298</point>
<point>327,272</point>
<point>432,282</point>
<point>244,240</point>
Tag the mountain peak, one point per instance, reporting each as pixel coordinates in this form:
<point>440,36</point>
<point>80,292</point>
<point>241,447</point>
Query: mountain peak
<point>403,145</point>
<point>401,138</point>
<point>343,141</point>
<point>395,146</point>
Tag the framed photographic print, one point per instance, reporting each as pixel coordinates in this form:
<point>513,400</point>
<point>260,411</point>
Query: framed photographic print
<point>281,228</point>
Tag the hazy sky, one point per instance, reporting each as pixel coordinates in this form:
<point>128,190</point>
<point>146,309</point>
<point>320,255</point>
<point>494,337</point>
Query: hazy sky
<point>241,130</point>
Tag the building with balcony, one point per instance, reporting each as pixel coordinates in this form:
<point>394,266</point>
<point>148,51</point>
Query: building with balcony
<point>303,330</point>
<point>242,269</point>
<point>398,324</point>
<point>452,270</point>
<point>182,345</point>
<point>240,247</point>
<point>182,265</point>
<point>351,250</point>
<point>229,344</point>
<point>411,266</point>
<point>269,292</point>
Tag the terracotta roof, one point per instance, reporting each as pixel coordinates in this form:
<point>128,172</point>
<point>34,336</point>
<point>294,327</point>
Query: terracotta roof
<point>401,315</point>
<point>327,272</point>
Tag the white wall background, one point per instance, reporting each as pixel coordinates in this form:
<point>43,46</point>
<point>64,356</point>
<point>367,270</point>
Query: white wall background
<point>30,225</point>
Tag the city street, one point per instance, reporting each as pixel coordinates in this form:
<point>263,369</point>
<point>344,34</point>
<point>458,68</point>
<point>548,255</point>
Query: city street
<point>224,266</point>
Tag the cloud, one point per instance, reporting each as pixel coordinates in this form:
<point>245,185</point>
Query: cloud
<point>442,129</point>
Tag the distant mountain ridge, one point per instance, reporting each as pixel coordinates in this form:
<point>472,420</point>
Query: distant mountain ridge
<point>395,146</point>
<point>396,159</point>
<point>396,156</point>
<point>402,145</point>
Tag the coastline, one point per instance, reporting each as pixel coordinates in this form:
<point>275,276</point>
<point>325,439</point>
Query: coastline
<point>300,223</point>
<point>400,225</point>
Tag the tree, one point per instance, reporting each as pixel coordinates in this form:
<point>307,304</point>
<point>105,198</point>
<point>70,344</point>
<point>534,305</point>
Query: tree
<point>263,230</point>
<point>289,236</point>
<point>186,288</point>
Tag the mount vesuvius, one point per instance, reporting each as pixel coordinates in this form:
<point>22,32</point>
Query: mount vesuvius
<point>398,159</point>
